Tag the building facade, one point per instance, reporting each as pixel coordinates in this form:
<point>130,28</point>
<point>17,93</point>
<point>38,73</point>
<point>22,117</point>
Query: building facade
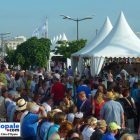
<point>13,43</point>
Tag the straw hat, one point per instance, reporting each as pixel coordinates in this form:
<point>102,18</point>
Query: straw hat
<point>57,110</point>
<point>110,95</point>
<point>21,105</point>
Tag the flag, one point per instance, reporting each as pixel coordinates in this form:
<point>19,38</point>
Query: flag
<point>35,33</point>
<point>41,31</point>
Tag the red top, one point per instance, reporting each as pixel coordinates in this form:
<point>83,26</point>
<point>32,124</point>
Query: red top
<point>58,91</point>
<point>98,108</point>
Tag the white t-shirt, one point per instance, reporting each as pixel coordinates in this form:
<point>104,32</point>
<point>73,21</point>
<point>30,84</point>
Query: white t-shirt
<point>87,132</point>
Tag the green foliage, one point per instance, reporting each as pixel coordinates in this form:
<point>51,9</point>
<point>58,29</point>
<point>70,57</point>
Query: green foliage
<point>33,52</point>
<point>10,58</point>
<point>67,48</point>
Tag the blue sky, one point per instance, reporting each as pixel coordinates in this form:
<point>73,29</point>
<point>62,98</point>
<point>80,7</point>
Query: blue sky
<point>21,17</point>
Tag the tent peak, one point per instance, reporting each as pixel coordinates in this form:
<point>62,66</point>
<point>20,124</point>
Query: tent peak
<point>108,22</point>
<point>121,13</point>
<point>107,18</point>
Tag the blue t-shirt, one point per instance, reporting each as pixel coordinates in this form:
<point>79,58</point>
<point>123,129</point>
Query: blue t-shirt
<point>43,129</point>
<point>12,114</point>
<point>136,95</point>
<point>53,129</point>
<point>29,125</point>
<point>112,111</point>
<point>108,136</point>
<point>11,109</point>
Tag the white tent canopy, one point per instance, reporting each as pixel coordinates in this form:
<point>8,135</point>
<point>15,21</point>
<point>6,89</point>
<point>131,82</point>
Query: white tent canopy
<point>121,42</point>
<point>60,37</point>
<point>104,31</point>
<point>64,38</point>
<point>56,39</point>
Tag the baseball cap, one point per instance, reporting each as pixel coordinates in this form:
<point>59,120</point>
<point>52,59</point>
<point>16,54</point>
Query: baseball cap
<point>114,126</point>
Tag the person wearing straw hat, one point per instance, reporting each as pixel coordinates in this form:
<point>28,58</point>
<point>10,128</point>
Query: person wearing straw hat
<point>21,105</point>
<point>99,132</point>
<point>112,110</point>
<point>112,131</point>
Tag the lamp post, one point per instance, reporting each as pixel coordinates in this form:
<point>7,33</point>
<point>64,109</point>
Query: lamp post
<point>77,20</point>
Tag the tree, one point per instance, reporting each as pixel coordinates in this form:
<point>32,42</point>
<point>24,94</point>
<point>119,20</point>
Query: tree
<point>33,52</point>
<point>10,58</point>
<point>67,48</point>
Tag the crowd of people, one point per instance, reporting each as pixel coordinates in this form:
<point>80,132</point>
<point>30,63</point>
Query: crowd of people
<point>54,106</point>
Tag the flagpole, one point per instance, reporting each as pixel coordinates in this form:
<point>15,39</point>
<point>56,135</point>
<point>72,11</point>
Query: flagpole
<point>46,32</point>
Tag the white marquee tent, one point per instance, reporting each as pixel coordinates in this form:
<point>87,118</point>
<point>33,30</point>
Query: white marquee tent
<point>54,44</point>
<point>121,42</point>
<point>104,31</point>
<point>64,38</point>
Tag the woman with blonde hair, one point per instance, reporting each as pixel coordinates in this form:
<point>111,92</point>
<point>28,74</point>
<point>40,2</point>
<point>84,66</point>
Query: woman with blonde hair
<point>127,137</point>
<point>89,128</point>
